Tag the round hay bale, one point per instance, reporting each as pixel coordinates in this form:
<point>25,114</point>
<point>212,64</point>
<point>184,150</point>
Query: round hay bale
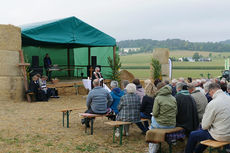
<point>126,75</point>
<point>10,37</point>
<point>9,61</point>
<point>11,88</point>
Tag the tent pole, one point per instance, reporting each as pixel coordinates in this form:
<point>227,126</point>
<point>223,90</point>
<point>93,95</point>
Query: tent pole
<point>68,60</point>
<point>89,55</point>
<point>114,54</point>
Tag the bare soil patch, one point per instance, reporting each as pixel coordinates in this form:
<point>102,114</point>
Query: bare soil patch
<point>37,127</point>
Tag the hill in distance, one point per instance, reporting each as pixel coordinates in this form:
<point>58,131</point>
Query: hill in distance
<point>147,45</point>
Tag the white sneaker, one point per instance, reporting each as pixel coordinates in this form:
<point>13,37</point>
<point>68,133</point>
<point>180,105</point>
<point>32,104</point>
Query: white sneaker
<point>117,133</point>
<point>153,147</point>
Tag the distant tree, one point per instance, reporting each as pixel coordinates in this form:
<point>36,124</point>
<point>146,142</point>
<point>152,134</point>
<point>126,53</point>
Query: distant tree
<point>185,59</point>
<point>210,55</point>
<point>196,56</point>
<point>115,67</point>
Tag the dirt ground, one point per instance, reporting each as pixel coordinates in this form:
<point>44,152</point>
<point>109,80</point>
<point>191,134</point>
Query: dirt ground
<point>37,127</point>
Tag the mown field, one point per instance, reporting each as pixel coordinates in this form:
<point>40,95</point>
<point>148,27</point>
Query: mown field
<point>138,64</point>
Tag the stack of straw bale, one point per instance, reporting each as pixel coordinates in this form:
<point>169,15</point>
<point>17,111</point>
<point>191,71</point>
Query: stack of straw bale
<point>162,55</point>
<point>11,79</point>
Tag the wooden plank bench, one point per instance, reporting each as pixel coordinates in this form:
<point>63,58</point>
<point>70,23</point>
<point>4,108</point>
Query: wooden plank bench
<point>212,145</point>
<point>165,135</point>
<point>66,112</point>
<point>31,95</point>
<point>92,117</point>
<point>119,124</point>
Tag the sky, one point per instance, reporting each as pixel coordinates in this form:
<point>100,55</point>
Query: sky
<point>193,20</point>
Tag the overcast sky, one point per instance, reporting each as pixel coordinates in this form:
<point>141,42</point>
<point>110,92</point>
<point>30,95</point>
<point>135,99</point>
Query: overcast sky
<point>193,20</point>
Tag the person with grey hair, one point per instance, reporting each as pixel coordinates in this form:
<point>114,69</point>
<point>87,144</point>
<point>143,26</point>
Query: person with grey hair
<point>129,108</point>
<point>200,99</point>
<point>97,75</point>
<point>98,101</point>
<point>209,98</point>
<point>187,116</point>
<point>116,94</point>
<point>215,122</point>
<point>124,84</point>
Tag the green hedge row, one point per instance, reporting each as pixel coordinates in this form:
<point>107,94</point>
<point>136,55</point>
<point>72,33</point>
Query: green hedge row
<point>179,67</point>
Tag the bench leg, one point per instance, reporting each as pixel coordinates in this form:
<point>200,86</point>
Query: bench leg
<point>63,119</point>
<point>170,147</point>
<point>210,149</point>
<point>85,126</point>
<point>121,133</point>
<point>92,119</point>
<point>114,129</point>
<point>160,147</point>
<point>67,118</point>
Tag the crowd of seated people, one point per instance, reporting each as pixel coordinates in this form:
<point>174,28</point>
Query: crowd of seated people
<point>38,86</point>
<point>201,107</point>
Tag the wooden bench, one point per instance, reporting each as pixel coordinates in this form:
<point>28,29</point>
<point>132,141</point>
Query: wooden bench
<point>92,117</point>
<point>32,96</point>
<point>119,124</point>
<point>165,135</point>
<point>66,112</point>
<point>212,145</point>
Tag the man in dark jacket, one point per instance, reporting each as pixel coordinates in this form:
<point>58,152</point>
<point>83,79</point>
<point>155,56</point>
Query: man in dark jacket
<point>47,66</point>
<point>187,116</point>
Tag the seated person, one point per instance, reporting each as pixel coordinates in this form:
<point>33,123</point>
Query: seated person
<point>98,100</point>
<point>129,108</point>
<point>116,94</point>
<point>124,84</point>
<point>147,103</point>
<point>97,75</point>
<point>187,116</point>
<point>139,90</point>
<point>164,111</point>
<point>50,92</point>
<point>215,122</point>
<point>35,88</point>
<point>200,99</point>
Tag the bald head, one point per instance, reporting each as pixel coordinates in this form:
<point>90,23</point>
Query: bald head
<point>96,82</point>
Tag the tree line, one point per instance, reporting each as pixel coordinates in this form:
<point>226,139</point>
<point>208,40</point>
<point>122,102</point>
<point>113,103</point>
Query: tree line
<point>147,45</point>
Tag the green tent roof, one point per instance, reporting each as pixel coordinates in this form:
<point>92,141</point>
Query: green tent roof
<point>68,32</point>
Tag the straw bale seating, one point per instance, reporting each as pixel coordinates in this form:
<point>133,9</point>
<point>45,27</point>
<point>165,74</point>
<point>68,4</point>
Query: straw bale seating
<point>212,145</point>
<point>165,135</point>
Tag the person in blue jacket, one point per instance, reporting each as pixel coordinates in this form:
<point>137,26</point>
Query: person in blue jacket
<point>116,94</point>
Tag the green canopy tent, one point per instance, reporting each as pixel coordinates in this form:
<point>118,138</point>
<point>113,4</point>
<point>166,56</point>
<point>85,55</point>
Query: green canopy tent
<point>77,37</point>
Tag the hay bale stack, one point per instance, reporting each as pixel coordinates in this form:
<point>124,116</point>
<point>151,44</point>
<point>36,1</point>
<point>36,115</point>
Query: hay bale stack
<point>11,80</point>
<point>162,55</point>
<point>10,38</point>
<point>9,63</point>
<point>126,75</point>
<point>11,88</point>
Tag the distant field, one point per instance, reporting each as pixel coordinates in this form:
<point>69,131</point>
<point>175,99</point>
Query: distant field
<point>138,64</point>
<point>144,74</point>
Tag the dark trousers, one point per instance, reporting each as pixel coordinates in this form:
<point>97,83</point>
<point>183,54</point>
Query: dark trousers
<point>194,138</point>
<point>48,74</point>
<point>146,123</point>
<point>140,125</point>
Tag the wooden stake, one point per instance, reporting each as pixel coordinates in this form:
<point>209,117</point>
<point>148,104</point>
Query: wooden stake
<point>24,73</point>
